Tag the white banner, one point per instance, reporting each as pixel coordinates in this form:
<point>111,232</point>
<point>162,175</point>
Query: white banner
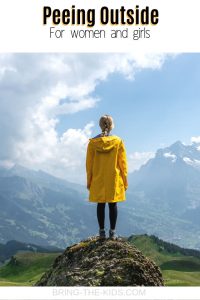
<point>99,26</point>
<point>72,293</point>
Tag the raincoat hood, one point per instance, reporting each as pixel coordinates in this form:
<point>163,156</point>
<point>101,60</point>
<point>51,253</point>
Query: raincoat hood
<point>105,143</point>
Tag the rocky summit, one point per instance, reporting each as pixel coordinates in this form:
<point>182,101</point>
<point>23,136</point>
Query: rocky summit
<point>97,262</point>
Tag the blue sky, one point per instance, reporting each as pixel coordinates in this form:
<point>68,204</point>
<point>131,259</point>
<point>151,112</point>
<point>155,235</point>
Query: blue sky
<point>50,105</point>
<point>154,110</point>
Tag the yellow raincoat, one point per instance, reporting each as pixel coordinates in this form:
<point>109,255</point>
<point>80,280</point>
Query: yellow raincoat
<point>106,167</point>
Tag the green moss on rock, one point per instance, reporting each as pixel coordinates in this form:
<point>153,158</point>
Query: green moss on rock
<point>96,262</point>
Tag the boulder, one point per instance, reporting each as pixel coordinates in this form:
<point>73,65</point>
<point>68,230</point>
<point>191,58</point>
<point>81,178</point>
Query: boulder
<point>97,262</point>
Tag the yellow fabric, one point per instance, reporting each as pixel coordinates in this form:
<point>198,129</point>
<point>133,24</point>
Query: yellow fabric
<point>106,168</point>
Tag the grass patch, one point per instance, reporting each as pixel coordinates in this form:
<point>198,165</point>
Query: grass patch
<point>27,269</point>
<point>177,278</point>
<point>177,269</point>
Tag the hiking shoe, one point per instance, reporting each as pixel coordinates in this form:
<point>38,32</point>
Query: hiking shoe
<point>112,234</point>
<point>102,234</point>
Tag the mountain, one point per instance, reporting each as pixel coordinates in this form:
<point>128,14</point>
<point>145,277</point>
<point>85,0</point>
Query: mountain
<point>42,178</point>
<point>163,199</point>
<point>97,262</point>
<point>13,247</point>
<point>171,178</point>
<point>179,266</point>
<point>38,208</point>
<point>167,188</point>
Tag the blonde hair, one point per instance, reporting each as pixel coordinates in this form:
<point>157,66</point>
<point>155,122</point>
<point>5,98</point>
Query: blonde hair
<point>106,123</point>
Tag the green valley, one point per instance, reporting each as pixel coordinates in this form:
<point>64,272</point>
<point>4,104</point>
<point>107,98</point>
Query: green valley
<point>25,268</point>
<point>179,266</point>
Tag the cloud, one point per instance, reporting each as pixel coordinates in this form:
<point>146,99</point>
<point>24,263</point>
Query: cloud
<point>195,139</point>
<point>137,159</point>
<point>36,89</point>
<point>67,157</point>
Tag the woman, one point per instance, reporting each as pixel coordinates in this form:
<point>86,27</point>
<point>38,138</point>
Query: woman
<point>106,167</point>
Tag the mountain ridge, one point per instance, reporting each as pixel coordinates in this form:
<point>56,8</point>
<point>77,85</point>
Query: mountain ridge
<point>12,247</point>
<point>41,213</point>
<point>162,199</point>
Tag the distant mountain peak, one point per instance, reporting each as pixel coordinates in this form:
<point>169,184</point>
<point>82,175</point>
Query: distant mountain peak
<point>180,152</point>
<point>18,167</point>
<point>177,144</point>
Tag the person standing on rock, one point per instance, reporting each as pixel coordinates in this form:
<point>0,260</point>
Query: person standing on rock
<point>107,170</point>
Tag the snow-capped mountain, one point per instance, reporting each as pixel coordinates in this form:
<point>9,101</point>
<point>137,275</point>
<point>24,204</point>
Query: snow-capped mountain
<point>172,176</point>
<point>169,184</point>
<point>190,154</point>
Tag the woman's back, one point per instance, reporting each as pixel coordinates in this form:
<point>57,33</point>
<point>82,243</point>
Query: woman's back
<point>106,162</point>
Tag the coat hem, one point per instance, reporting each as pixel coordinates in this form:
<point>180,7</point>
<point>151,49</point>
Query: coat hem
<point>106,201</point>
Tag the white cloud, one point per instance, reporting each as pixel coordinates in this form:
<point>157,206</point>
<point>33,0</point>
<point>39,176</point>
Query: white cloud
<point>35,89</point>
<point>137,159</point>
<point>68,157</point>
<point>195,139</point>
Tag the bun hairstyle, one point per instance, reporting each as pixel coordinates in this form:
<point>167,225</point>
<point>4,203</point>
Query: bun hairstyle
<point>106,123</point>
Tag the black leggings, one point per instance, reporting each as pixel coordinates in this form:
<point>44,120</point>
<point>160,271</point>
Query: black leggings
<point>112,214</point>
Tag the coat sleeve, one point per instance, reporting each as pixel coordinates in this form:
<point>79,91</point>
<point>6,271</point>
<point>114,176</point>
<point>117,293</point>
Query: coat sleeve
<point>89,164</point>
<point>122,160</point>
